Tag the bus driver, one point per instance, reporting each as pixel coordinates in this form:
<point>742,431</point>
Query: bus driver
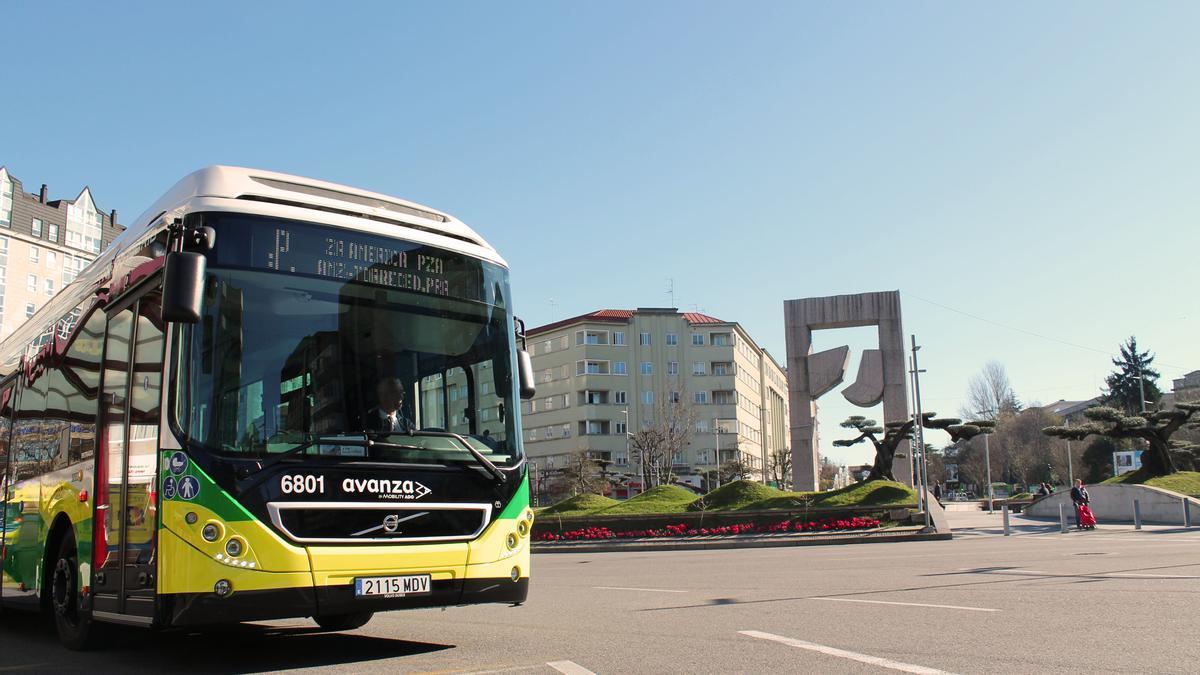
<point>388,416</point>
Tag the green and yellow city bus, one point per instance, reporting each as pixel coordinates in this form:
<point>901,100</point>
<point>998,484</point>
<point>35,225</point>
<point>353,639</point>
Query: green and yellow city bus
<point>270,397</point>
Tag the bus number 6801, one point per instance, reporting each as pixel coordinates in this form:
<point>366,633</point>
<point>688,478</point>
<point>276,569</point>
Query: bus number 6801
<point>302,484</point>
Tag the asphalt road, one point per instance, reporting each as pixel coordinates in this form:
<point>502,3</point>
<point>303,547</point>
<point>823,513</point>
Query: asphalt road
<point>1112,600</point>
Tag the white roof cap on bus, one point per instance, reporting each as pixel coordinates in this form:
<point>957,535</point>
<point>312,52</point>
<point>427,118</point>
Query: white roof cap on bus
<point>288,192</point>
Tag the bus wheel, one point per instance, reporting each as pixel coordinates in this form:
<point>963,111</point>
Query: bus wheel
<point>343,621</point>
<point>74,626</point>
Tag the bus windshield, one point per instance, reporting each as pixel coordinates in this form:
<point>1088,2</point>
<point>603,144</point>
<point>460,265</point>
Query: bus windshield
<point>310,333</point>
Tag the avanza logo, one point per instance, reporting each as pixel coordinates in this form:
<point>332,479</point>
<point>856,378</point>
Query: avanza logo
<point>402,490</point>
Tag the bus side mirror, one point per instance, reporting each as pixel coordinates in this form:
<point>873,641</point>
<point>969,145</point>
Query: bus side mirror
<point>525,371</point>
<point>183,287</point>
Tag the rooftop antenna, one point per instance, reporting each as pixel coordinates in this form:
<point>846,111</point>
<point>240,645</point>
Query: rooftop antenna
<point>553,309</point>
<point>671,290</point>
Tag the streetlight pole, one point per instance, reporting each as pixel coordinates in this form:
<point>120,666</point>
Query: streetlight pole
<point>1070,470</point>
<point>987,459</point>
<point>641,463</point>
<point>923,467</point>
<point>717,440</point>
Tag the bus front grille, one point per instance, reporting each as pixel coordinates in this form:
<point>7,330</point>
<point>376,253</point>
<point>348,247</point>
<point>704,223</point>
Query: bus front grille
<point>357,522</point>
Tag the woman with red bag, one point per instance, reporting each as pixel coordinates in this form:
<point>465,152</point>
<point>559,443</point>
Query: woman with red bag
<point>1081,498</point>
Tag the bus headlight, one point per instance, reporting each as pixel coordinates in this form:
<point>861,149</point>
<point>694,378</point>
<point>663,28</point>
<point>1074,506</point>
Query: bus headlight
<point>211,532</point>
<point>516,573</point>
<point>222,588</point>
<point>523,527</point>
<point>234,547</point>
<point>511,540</point>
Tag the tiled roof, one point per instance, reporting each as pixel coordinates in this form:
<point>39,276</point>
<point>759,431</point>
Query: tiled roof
<point>698,319</point>
<point>620,316</point>
<point>609,315</point>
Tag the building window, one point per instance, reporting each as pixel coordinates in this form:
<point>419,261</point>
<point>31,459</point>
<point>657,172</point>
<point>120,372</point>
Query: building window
<point>672,339</point>
<point>51,259</point>
<point>697,340</point>
<point>49,286</point>
<point>84,224</point>
<point>701,397</point>
<point>52,232</point>
<point>720,339</point>
<point>702,425</point>
<point>31,283</point>
<point>591,337</point>
<point>35,254</point>
<point>30,308</point>
<point>643,339</point>
<point>591,367</point>
<point>674,397</point>
<point>618,337</point>
<point>672,367</point>
<point>620,457</point>
<point>37,228</point>
<point>6,199</point>
<point>722,368</point>
<point>619,398</point>
<point>619,368</point>
<point>648,397</point>
<point>698,368</point>
<point>622,428</point>
<point>647,368</point>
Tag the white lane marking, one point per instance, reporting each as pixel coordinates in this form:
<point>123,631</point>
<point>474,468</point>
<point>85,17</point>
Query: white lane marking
<point>842,653</point>
<point>569,668</point>
<point>1126,575</point>
<point>514,669</point>
<point>646,590</point>
<point>908,604</point>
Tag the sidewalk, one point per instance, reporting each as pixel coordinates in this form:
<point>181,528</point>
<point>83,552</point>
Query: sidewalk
<point>980,523</point>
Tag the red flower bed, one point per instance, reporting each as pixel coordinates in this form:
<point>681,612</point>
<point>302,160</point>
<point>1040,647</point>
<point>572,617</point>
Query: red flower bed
<point>823,525</point>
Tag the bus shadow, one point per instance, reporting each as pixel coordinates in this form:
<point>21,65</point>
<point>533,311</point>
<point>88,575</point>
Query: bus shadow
<point>29,643</point>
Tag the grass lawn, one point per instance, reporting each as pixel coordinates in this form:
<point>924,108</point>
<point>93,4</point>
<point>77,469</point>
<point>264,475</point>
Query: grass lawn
<point>661,499</point>
<point>742,495</point>
<point>1183,482</point>
<point>579,505</point>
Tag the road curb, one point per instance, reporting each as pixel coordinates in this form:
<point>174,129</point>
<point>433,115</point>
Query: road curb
<point>742,541</point>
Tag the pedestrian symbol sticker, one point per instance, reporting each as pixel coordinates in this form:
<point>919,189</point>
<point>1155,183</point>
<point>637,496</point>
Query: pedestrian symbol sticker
<point>189,488</point>
<point>169,487</point>
<point>177,462</point>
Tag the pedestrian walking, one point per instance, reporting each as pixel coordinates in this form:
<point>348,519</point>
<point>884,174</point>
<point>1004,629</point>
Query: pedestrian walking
<point>937,492</point>
<point>1080,497</point>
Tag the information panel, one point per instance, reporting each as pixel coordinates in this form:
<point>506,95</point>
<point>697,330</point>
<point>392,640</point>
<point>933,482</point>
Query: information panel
<point>333,253</point>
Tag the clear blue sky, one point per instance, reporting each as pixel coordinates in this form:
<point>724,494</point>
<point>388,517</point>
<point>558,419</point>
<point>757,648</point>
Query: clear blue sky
<point>1034,164</point>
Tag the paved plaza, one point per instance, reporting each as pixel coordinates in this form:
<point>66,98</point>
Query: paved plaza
<point>1112,600</point>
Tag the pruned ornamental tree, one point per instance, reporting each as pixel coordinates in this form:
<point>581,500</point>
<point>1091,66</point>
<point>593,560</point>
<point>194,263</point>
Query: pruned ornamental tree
<point>888,437</point>
<point>1155,428</point>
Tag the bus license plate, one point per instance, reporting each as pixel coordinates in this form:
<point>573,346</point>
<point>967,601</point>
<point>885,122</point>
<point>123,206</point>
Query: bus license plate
<point>417,584</point>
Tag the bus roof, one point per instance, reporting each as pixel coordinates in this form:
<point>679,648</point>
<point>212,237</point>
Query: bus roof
<point>254,191</point>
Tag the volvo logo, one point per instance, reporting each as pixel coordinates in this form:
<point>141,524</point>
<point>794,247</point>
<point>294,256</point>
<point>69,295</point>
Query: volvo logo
<point>391,524</point>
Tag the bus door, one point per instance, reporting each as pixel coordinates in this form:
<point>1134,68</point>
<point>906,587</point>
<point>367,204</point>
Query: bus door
<point>10,508</point>
<point>127,471</point>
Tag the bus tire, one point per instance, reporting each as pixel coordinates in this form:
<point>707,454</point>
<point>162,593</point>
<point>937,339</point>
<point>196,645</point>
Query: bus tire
<point>74,626</point>
<point>338,622</point>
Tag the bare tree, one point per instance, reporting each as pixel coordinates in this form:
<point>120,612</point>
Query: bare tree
<point>990,393</point>
<point>655,447</point>
<point>779,468</point>
<point>583,473</point>
<point>828,470</point>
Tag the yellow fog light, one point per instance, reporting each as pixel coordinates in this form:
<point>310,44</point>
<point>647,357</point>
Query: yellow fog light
<point>511,540</point>
<point>222,588</point>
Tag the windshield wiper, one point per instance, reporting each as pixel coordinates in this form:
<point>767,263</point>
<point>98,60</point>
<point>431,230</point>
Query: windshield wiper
<point>483,461</point>
<point>250,481</point>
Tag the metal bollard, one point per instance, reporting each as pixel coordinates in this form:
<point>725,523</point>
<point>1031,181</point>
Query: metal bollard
<point>1137,515</point>
<point>1004,510</point>
<point>1187,512</point>
<point>1062,519</point>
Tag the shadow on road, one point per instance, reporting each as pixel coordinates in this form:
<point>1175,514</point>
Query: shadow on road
<point>28,643</point>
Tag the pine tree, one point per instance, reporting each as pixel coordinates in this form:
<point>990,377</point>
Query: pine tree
<point>1123,390</point>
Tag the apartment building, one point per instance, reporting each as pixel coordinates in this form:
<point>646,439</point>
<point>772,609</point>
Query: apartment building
<point>43,245</point>
<point>604,374</point>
